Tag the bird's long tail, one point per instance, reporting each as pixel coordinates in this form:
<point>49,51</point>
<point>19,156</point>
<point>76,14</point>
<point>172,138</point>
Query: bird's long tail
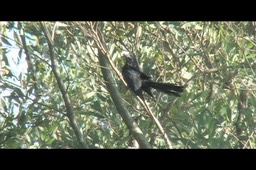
<point>167,88</point>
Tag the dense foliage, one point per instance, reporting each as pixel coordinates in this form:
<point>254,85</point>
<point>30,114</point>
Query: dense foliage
<point>55,94</point>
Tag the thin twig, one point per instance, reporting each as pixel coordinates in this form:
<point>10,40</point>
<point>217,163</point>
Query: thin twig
<point>158,124</point>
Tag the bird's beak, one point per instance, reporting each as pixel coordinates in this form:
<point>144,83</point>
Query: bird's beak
<point>125,54</point>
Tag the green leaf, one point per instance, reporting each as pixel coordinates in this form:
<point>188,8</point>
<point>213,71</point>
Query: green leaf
<point>90,94</point>
<point>248,111</point>
<point>229,113</point>
<point>212,128</point>
<point>223,111</point>
<point>16,38</point>
<point>4,40</point>
<point>250,45</point>
<point>50,141</point>
<point>20,52</point>
<point>96,106</point>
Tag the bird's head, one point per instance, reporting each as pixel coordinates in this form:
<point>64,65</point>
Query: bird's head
<point>129,58</point>
<point>126,54</point>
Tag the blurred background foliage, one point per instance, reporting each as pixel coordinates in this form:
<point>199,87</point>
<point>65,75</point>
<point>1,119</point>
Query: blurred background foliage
<point>215,60</point>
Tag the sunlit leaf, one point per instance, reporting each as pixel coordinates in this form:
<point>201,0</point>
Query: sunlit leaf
<point>4,40</point>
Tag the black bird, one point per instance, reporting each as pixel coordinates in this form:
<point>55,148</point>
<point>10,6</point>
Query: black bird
<point>138,81</point>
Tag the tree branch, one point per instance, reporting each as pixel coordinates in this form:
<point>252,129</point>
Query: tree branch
<point>29,63</point>
<point>119,103</point>
<point>70,112</point>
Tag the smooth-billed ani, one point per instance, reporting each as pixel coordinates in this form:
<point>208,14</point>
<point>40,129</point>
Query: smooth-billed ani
<point>138,81</point>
